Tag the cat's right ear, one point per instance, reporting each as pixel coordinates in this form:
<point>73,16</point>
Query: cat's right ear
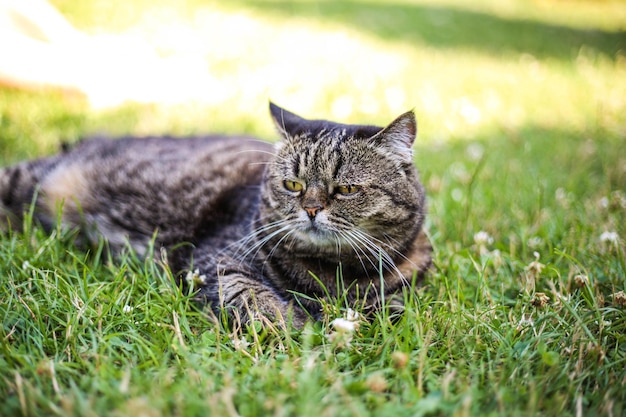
<point>287,123</point>
<point>399,136</point>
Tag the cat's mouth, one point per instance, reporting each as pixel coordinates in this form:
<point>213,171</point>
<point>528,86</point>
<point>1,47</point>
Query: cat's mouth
<point>316,234</point>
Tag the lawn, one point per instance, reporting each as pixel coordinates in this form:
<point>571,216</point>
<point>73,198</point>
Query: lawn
<point>522,149</point>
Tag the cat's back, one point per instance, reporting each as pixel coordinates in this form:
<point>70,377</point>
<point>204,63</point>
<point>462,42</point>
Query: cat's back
<point>165,151</point>
<point>131,187</point>
<point>178,167</point>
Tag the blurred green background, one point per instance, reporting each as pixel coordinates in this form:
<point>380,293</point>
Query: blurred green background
<point>480,69</point>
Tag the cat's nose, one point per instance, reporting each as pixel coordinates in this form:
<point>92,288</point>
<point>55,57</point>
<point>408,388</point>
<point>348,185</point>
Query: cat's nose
<point>313,210</point>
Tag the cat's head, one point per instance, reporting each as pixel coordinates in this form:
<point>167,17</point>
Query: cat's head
<point>335,189</point>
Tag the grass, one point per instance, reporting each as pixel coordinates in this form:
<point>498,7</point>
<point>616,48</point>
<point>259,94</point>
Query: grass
<point>522,119</point>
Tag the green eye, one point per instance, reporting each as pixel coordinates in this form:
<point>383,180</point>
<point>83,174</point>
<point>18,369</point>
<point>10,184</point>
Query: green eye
<point>346,189</point>
<point>293,186</point>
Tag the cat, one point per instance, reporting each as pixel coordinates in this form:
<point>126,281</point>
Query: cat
<point>332,211</point>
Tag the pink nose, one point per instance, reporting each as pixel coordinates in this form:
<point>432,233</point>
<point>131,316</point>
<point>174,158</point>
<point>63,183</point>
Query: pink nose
<point>312,211</point>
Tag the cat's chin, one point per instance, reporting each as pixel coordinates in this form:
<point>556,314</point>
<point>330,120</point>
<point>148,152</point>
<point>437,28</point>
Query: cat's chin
<point>315,238</point>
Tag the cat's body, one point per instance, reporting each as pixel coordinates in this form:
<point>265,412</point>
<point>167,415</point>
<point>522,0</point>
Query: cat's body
<point>269,229</point>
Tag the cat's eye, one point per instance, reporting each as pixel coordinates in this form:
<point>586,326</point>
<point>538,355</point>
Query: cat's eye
<point>293,186</point>
<point>347,189</point>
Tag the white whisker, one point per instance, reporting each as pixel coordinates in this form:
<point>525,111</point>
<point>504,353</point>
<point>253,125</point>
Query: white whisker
<point>277,245</point>
<point>242,244</point>
<point>256,247</point>
<point>357,249</point>
<point>377,250</point>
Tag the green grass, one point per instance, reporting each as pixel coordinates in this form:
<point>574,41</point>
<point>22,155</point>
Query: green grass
<point>522,136</point>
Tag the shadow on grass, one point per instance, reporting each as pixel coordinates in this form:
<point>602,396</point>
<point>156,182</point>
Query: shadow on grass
<point>448,27</point>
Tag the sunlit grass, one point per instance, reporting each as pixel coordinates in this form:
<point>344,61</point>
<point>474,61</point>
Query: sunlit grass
<point>359,62</point>
<point>522,115</point>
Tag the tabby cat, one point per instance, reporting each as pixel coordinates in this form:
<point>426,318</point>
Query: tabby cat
<point>333,210</point>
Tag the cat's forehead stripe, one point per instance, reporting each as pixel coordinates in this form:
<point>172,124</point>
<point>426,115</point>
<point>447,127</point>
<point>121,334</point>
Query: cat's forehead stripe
<point>322,159</point>
<point>297,164</point>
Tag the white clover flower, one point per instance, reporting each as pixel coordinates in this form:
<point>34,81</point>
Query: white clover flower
<point>194,278</point>
<point>535,267</point>
<point>239,343</point>
<point>581,280</point>
<point>483,238</point>
<point>344,326</point>
<point>609,237</point>
<point>615,201</point>
<point>619,298</point>
<point>352,315</point>
<point>127,309</point>
<point>540,300</point>
<point>533,271</point>
<point>376,382</point>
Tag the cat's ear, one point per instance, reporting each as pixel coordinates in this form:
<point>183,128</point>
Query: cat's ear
<point>399,136</point>
<point>287,123</point>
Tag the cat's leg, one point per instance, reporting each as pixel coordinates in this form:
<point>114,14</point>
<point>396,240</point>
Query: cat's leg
<point>246,297</point>
<point>251,299</point>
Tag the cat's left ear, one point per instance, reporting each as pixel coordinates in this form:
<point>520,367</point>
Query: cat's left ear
<point>287,123</point>
<point>399,136</point>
